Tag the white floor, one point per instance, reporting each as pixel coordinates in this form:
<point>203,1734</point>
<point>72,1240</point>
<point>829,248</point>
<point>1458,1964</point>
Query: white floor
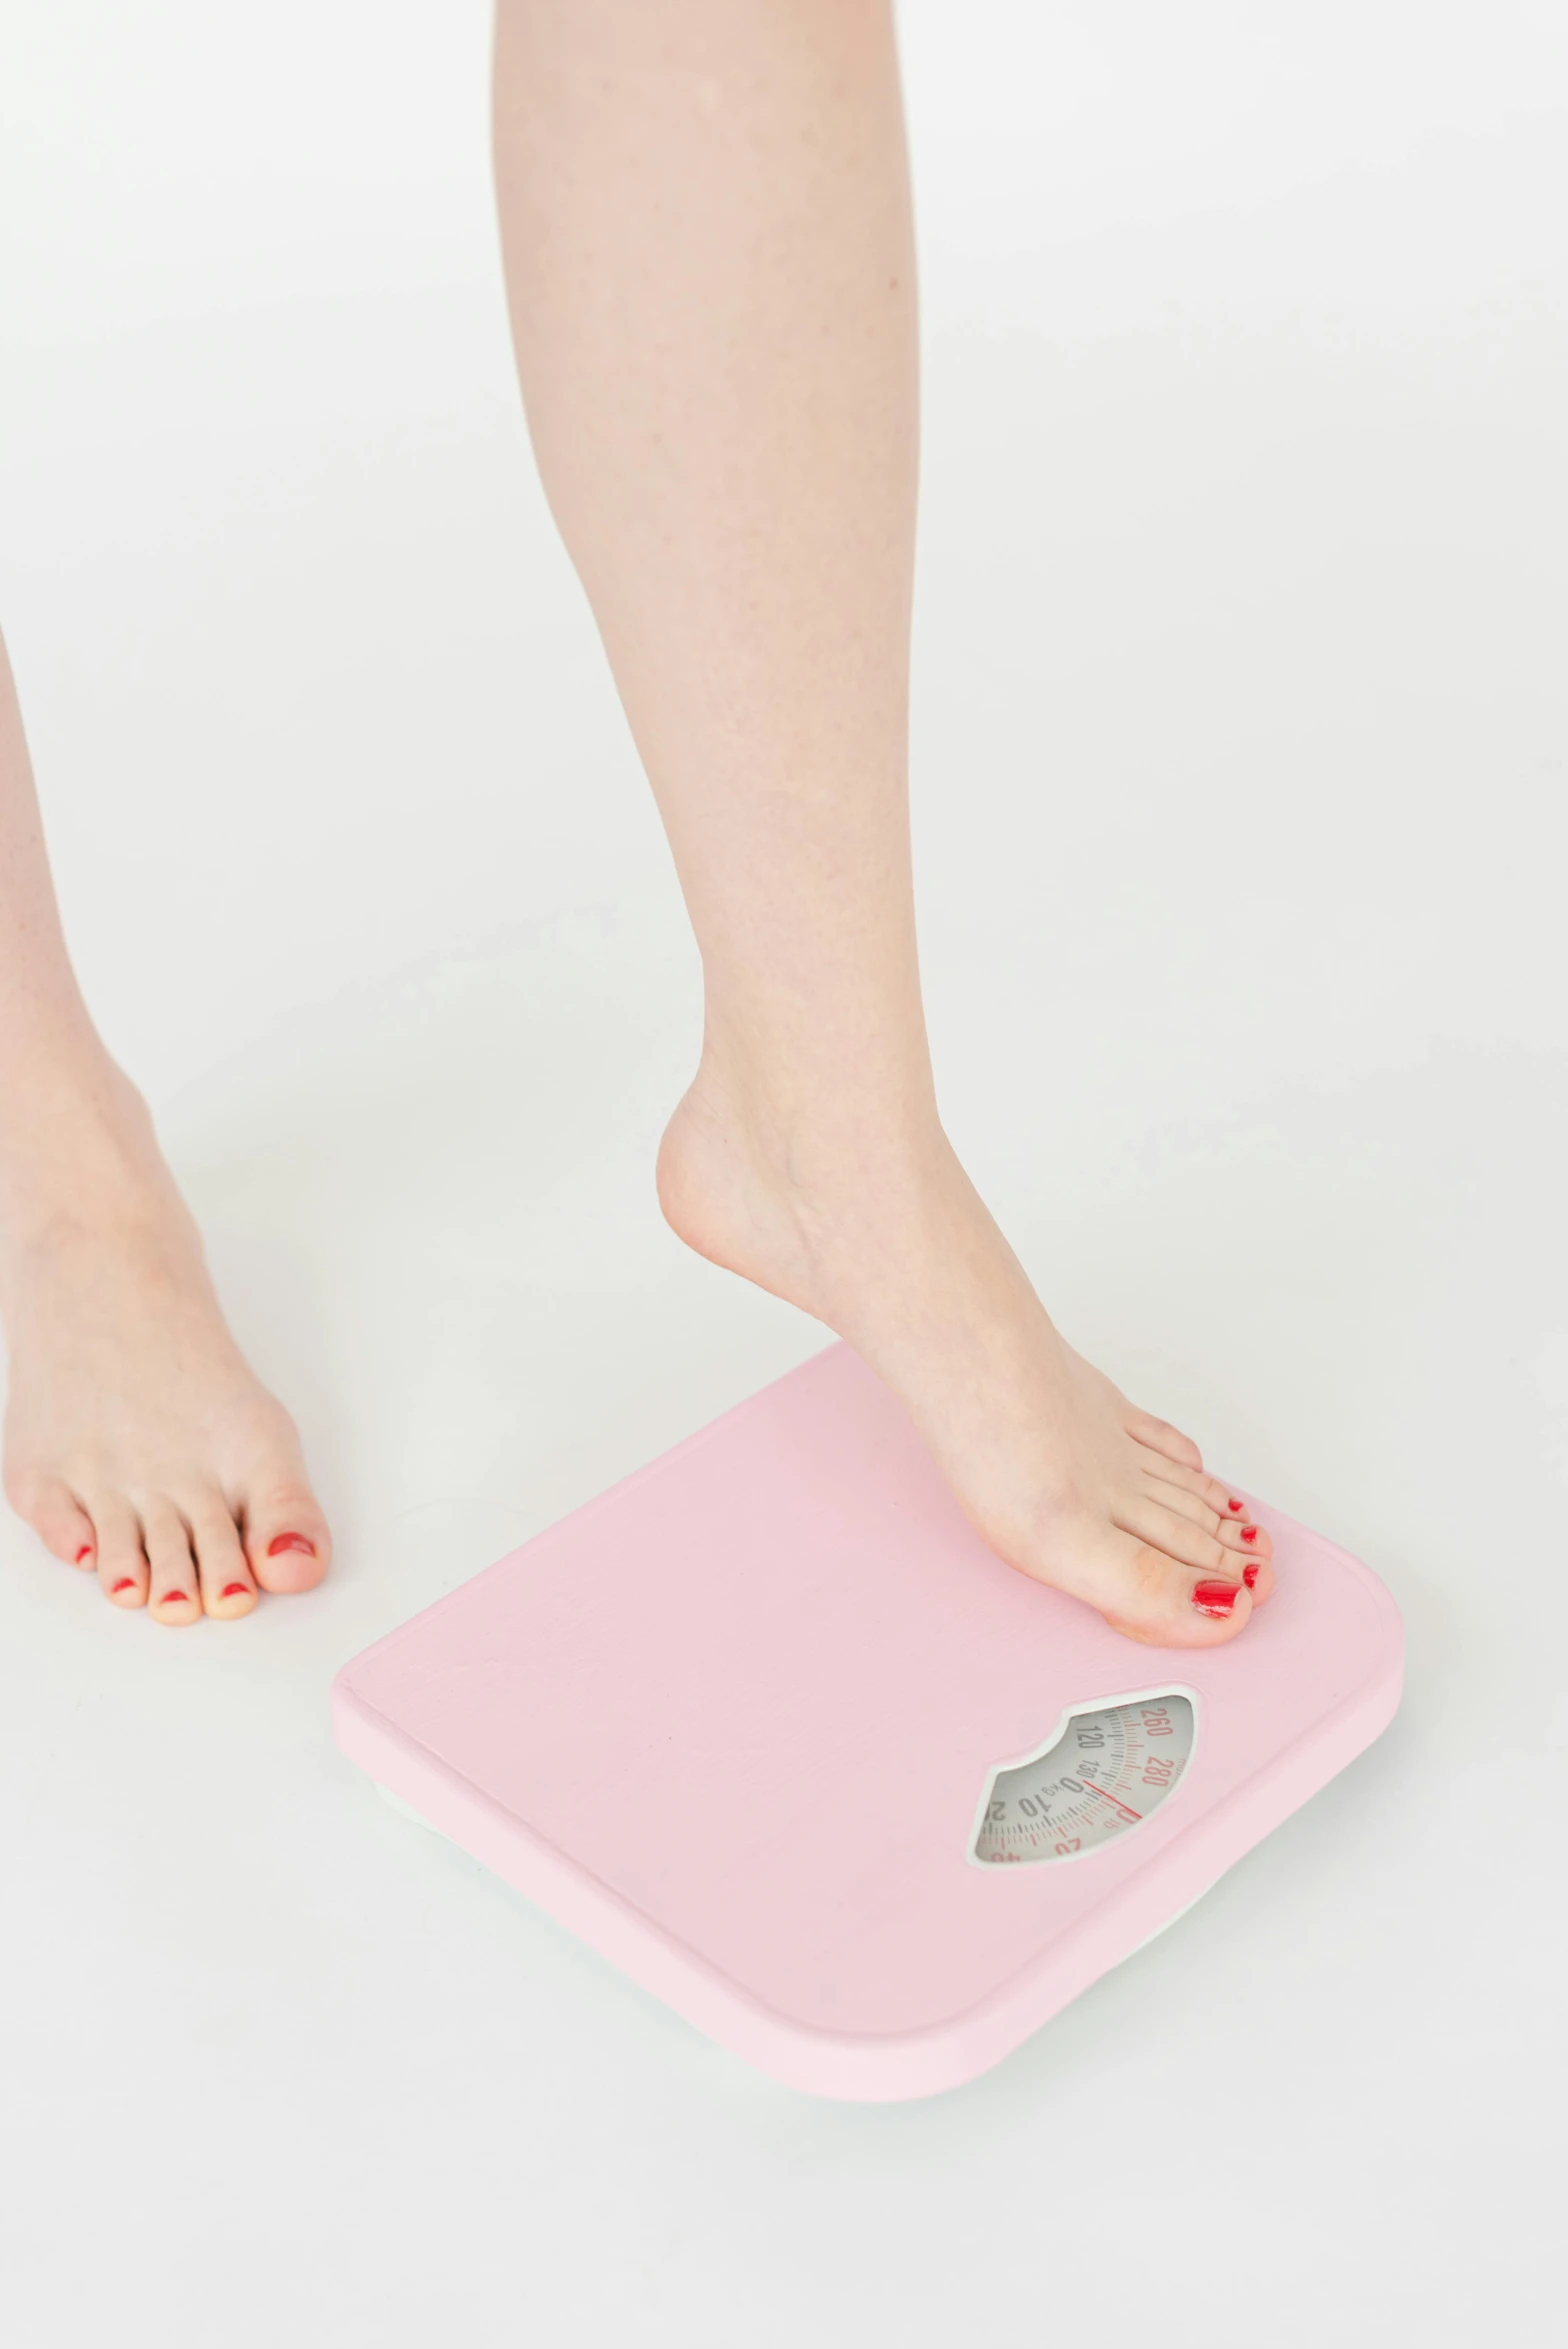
<point>1241,771</point>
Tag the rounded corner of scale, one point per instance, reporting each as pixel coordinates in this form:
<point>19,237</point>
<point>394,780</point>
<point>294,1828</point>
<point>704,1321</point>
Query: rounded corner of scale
<point>901,2071</point>
<point>1387,1673</point>
<point>355,1721</point>
<point>343,1698</point>
<point>896,2067</point>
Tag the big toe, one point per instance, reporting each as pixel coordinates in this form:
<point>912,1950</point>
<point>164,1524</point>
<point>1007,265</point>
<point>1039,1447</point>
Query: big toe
<point>286,1539</point>
<point>1169,1602</point>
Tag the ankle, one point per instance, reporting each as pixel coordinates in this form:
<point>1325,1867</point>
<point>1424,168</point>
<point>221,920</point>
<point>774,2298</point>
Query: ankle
<point>810,1132</point>
<point>814,1101</point>
<point>78,1151</point>
<point>793,1192</point>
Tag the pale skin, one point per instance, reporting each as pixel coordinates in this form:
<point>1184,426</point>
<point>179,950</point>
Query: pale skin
<point>706,229</point>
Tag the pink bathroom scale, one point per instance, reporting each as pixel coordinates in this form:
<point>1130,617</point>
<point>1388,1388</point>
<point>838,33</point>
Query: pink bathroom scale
<point>770,1727</point>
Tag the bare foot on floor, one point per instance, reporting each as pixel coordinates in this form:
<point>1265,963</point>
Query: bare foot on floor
<point>138,1444</point>
<point>1064,1478</point>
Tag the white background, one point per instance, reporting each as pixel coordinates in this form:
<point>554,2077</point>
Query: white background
<point>1240,772</point>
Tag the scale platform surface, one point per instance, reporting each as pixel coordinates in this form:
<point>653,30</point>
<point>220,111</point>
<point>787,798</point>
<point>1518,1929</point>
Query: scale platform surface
<point>769,1726</point>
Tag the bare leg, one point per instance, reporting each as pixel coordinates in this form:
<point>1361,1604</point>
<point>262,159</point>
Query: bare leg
<point>137,1442</point>
<point>706,227</point>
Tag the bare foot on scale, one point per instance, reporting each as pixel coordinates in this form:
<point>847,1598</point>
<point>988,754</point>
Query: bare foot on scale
<point>889,1244</point>
<point>138,1444</point>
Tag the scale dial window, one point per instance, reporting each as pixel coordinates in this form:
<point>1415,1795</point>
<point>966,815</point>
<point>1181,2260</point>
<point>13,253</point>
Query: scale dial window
<point>1108,1771</point>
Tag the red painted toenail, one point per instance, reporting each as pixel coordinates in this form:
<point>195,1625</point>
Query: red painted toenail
<point>84,1553</point>
<point>1249,1533</point>
<point>176,1598</point>
<point>1249,1573</point>
<point>1234,1508</point>
<point>1215,1598</point>
<point>290,1541</point>
<point>235,1590</point>
<point>126,1582</point>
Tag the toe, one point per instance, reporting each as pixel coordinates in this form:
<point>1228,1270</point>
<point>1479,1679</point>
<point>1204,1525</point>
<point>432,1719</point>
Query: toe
<point>175,1595</point>
<point>1249,1541</point>
<point>1206,1502</point>
<point>223,1573</point>
<point>1160,1436</point>
<point>1182,1502</point>
<point>1252,1548</point>
<point>59,1520</point>
<point>286,1539</point>
<point>1259,1579</point>
<point>1158,1468</point>
<point>123,1572</point>
<point>1176,1535</point>
<point>1162,1580</point>
<point>1167,1605</point>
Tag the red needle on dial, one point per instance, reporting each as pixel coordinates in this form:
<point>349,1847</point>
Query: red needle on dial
<point>1113,1798</point>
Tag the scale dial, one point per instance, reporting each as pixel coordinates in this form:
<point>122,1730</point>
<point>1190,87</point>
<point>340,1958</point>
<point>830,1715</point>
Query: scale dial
<point>1103,1776</point>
